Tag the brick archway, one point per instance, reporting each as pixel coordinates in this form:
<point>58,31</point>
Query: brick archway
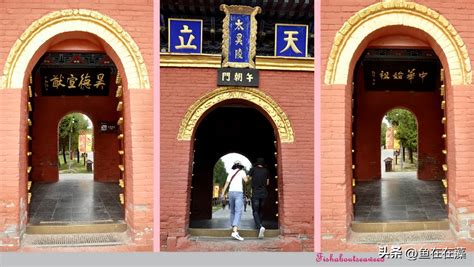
<point>393,13</point>
<point>386,18</point>
<point>72,20</point>
<point>274,111</point>
<point>96,28</point>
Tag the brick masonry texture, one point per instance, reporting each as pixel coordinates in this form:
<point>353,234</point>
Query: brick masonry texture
<point>336,173</point>
<point>135,17</point>
<point>293,91</point>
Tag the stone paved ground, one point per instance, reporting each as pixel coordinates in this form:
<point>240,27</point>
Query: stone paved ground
<point>75,199</point>
<point>399,196</point>
<point>220,219</point>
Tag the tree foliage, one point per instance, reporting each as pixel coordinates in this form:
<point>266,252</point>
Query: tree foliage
<point>220,173</point>
<point>69,129</point>
<point>405,126</point>
<point>383,134</point>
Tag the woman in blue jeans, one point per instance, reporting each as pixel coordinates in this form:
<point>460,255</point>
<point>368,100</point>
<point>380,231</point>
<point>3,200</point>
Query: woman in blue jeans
<point>236,196</point>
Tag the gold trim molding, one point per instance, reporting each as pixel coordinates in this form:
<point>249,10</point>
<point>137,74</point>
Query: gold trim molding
<point>255,96</point>
<point>397,12</point>
<point>69,20</point>
<point>214,61</point>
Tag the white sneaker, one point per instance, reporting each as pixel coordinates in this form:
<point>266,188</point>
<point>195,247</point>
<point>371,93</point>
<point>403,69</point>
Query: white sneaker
<point>261,232</point>
<point>237,236</point>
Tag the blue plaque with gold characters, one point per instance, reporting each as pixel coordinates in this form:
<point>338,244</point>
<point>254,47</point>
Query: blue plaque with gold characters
<point>291,40</point>
<point>239,36</point>
<point>185,36</point>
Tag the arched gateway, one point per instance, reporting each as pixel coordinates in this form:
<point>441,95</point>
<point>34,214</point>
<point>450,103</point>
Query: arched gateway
<point>213,102</point>
<point>78,60</point>
<point>374,60</point>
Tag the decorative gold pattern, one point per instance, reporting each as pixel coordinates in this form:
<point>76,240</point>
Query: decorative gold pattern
<point>105,23</point>
<point>252,11</point>
<point>252,95</point>
<point>431,17</point>
<point>214,61</point>
<point>118,93</point>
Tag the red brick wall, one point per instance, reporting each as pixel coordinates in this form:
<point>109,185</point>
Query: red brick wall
<point>293,91</point>
<point>136,18</point>
<point>336,161</point>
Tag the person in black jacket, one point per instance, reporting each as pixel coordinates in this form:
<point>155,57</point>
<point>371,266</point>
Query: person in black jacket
<point>260,179</point>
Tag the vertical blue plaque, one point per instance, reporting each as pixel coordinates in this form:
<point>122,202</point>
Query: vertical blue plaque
<point>185,36</point>
<point>291,40</point>
<point>239,36</point>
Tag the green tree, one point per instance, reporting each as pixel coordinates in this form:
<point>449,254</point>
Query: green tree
<point>69,129</point>
<point>406,129</point>
<point>220,173</point>
<point>383,134</point>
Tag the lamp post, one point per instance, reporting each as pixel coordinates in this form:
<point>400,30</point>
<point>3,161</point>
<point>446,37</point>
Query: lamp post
<point>70,136</point>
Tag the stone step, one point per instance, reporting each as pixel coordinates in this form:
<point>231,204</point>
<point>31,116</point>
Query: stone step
<point>229,244</point>
<point>75,240</point>
<point>51,228</point>
<point>225,233</point>
<point>408,237</point>
<point>398,226</point>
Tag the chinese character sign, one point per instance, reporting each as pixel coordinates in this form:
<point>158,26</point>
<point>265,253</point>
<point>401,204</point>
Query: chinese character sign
<point>239,36</point>
<point>390,75</point>
<point>185,36</point>
<point>237,77</point>
<point>75,81</point>
<point>291,40</point>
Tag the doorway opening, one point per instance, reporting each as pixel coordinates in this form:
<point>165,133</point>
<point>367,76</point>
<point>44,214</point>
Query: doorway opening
<point>398,165</point>
<point>399,144</point>
<point>220,207</point>
<point>73,157</point>
<point>230,129</point>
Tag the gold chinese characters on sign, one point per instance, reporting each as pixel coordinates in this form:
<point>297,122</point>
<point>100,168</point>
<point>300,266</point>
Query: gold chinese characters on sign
<point>410,75</point>
<point>82,82</point>
<point>57,82</point>
<point>185,35</point>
